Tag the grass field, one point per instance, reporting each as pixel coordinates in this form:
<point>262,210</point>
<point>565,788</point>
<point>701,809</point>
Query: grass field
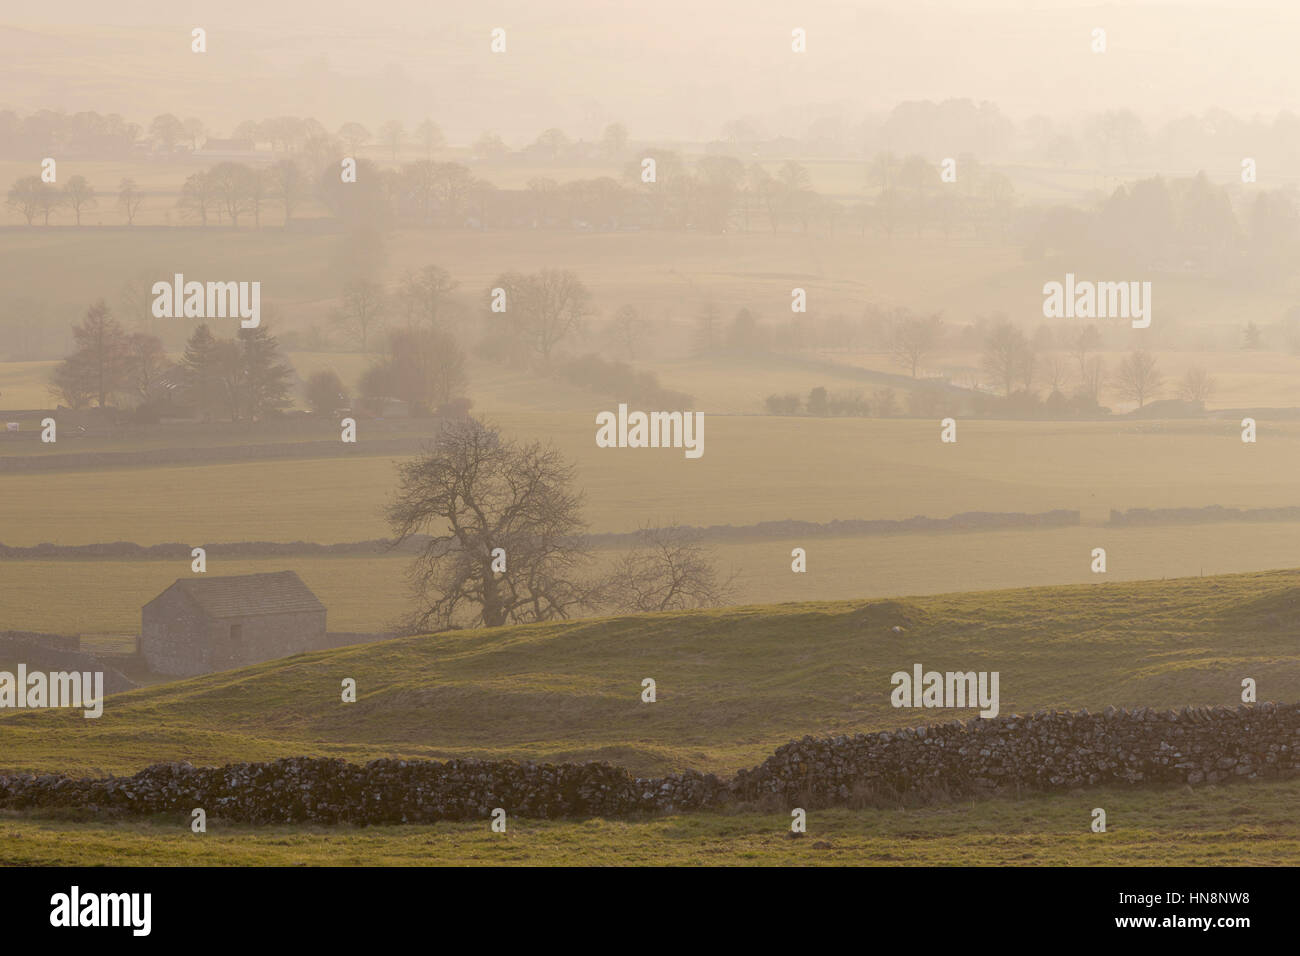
<point>753,469</point>
<point>1237,825</point>
<point>739,385</point>
<point>368,592</point>
<point>1243,378</point>
<point>733,684</point>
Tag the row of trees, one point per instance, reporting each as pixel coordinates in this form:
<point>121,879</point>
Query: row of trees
<point>107,363</point>
<point>712,194</point>
<point>422,299</point>
<point>1010,361</point>
<point>243,378</point>
<point>54,133</point>
<point>534,313</point>
<point>93,135</point>
<point>1152,224</point>
<point>932,128</point>
<point>1187,224</point>
<point>420,366</point>
<point>1013,362</point>
<point>32,198</point>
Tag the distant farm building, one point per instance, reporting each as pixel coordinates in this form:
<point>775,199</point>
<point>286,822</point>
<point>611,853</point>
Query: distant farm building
<point>203,624</point>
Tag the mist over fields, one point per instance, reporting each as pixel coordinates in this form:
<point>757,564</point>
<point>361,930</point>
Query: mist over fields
<point>499,357</point>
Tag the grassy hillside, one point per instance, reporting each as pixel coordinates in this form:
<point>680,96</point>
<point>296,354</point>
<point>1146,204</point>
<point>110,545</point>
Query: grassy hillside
<point>1237,825</point>
<point>733,684</point>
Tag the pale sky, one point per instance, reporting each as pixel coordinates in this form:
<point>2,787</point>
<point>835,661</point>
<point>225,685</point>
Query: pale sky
<point>670,69</point>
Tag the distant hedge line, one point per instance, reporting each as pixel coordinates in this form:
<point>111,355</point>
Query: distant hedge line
<point>72,461</point>
<point>1210,513</point>
<point>966,521</point>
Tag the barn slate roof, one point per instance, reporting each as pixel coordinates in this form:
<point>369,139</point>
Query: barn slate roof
<point>248,595</point>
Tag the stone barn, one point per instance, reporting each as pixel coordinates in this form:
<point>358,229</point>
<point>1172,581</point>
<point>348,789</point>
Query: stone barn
<point>204,624</point>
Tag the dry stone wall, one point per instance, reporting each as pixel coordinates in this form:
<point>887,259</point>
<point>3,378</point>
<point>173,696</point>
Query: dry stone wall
<point>59,652</point>
<point>1044,751</point>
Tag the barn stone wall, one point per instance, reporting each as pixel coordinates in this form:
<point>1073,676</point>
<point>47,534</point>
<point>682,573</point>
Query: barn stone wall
<point>178,639</point>
<point>171,630</point>
<point>1045,751</point>
<point>263,638</point>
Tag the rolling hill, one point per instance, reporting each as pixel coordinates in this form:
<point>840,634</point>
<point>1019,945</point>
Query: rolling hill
<point>732,684</point>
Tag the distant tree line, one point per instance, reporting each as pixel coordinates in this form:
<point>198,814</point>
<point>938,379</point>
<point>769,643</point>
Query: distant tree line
<point>242,378</point>
<point>1105,139</point>
<point>1179,225</point>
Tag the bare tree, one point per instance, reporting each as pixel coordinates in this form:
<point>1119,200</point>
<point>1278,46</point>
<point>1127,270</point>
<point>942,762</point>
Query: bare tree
<point>628,329</point>
<point>1196,386</point>
<point>667,570</point>
<point>430,137</point>
<point>393,135</point>
<point>1136,378</point>
<point>794,191</point>
<point>193,129</point>
<point>1027,367</point>
<point>613,142</point>
<point>424,294</point>
<point>143,360</point>
<point>490,504</point>
<point>1056,369</point>
<point>234,187</point>
<point>79,195</point>
<point>422,366</point>
<point>717,191</point>
<point>1005,355</point>
<point>48,198</point>
<point>1088,340</point>
<point>198,194</point>
<point>912,338</point>
<point>1094,374</point>
<point>25,196</point>
<point>490,146</point>
<point>545,308</point>
<point>289,185</point>
<point>168,130</point>
<point>554,141</point>
<point>708,328</point>
<point>258,185</point>
<point>760,192</point>
<point>362,309</point>
<point>129,198</point>
<point>354,136</point>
